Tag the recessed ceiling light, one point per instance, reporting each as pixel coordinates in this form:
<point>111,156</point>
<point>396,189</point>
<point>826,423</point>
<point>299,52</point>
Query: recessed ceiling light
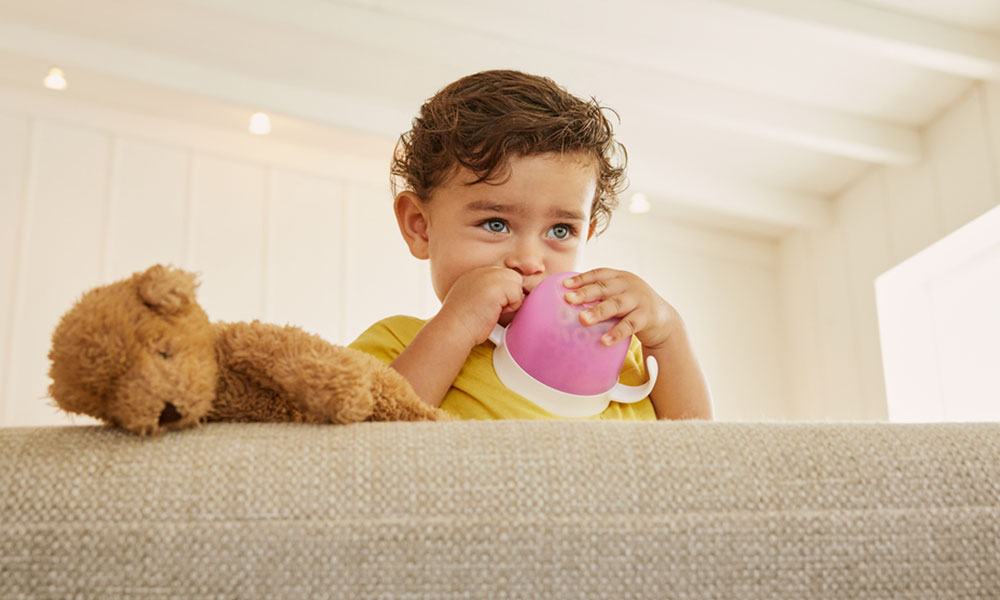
<point>260,124</point>
<point>56,79</point>
<point>639,203</point>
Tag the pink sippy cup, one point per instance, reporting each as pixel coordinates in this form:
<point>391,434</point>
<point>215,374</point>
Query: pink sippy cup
<point>553,360</point>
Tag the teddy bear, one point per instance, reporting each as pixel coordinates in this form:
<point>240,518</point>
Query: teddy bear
<point>142,354</point>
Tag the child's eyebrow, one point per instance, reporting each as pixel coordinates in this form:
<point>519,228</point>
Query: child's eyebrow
<point>493,207</point>
<point>490,206</point>
<point>569,215</point>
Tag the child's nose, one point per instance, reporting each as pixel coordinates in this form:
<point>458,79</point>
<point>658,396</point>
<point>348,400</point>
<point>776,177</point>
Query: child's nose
<point>525,258</point>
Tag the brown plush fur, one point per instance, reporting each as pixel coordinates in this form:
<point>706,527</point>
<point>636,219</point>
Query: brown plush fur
<point>142,354</point>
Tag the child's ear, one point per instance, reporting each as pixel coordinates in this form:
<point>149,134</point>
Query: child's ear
<point>411,215</point>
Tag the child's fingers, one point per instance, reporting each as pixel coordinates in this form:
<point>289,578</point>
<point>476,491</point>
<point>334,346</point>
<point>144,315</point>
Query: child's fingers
<point>589,277</point>
<point>514,296</point>
<point>623,330</point>
<point>618,305</point>
<point>618,294</point>
<point>597,290</point>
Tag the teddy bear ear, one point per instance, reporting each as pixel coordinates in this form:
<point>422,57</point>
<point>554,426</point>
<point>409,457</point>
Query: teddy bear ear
<point>166,289</point>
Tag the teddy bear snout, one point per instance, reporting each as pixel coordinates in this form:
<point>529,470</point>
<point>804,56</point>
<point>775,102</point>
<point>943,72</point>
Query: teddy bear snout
<point>170,414</point>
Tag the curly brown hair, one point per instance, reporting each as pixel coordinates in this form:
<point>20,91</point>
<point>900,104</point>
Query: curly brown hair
<point>481,120</point>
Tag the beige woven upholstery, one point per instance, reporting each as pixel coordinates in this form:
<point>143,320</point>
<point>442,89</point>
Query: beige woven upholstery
<point>503,510</point>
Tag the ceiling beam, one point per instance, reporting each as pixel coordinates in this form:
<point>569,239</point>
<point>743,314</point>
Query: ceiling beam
<point>789,123</point>
<point>743,200</point>
<point>879,32</point>
<point>342,110</point>
<point>427,30</point>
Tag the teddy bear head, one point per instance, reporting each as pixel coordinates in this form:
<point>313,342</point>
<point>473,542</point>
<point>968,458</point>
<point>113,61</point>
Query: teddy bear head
<point>138,353</point>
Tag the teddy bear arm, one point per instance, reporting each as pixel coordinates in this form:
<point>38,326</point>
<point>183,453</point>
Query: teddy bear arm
<point>395,400</point>
<point>324,381</point>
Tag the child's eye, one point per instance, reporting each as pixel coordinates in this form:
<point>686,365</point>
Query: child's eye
<point>495,225</point>
<point>561,231</point>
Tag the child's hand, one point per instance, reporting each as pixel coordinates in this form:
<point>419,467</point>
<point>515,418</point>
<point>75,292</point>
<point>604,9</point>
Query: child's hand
<point>622,294</point>
<point>477,299</point>
<point>681,392</point>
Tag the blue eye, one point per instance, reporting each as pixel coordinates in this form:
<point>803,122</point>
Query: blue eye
<point>561,231</point>
<point>495,225</point>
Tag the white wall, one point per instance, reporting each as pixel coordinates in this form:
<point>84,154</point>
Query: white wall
<point>827,277</point>
<point>940,328</point>
<point>295,234</point>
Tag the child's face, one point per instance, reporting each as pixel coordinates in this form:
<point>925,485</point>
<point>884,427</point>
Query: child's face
<point>535,223</point>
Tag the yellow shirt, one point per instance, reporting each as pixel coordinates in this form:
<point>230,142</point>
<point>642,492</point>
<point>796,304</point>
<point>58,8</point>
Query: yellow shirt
<point>477,393</point>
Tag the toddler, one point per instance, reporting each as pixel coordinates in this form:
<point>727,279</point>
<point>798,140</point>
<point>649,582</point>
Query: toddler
<point>501,181</point>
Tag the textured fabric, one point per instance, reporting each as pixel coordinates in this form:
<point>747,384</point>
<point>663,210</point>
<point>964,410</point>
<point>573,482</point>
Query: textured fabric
<point>503,509</point>
<point>477,392</point>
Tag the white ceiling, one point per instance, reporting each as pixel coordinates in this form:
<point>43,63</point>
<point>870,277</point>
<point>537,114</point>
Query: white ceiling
<point>747,113</point>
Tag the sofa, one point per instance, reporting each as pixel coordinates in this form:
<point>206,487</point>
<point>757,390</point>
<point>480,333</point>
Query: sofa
<point>512,509</point>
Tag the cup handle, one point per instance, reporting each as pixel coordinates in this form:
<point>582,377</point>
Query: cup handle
<point>496,336</point>
<point>628,394</point>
